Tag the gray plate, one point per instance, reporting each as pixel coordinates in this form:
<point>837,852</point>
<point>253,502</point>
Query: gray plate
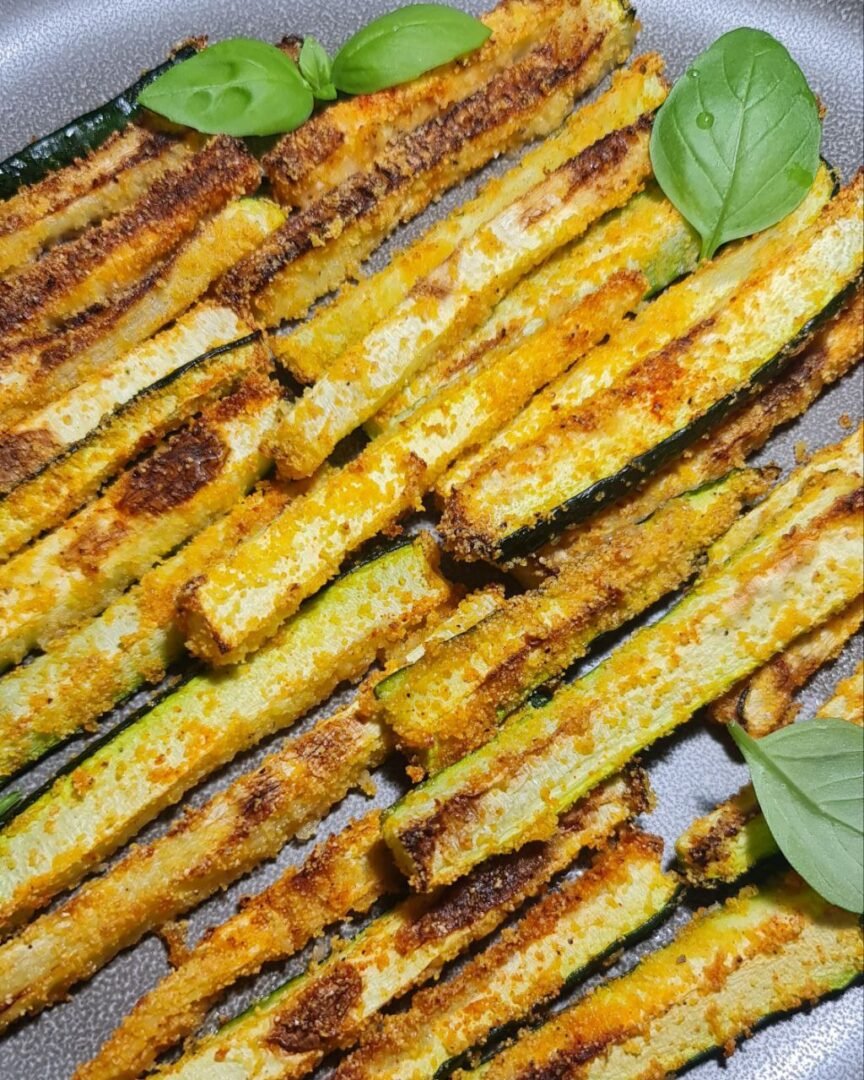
<point>60,57</point>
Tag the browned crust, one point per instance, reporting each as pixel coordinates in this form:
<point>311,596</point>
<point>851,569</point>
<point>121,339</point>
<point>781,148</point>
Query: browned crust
<point>321,1014</point>
<point>708,849</point>
<point>348,136</point>
<point>831,353</point>
<point>60,189</point>
<point>150,228</point>
<point>22,453</point>
<point>165,481</point>
<point>400,171</point>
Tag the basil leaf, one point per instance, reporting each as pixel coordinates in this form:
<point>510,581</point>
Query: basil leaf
<point>404,44</point>
<point>315,68</point>
<point>236,87</point>
<point>735,147</point>
<point>809,779</point>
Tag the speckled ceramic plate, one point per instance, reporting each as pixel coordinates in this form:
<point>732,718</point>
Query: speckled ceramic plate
<point>61,57</point>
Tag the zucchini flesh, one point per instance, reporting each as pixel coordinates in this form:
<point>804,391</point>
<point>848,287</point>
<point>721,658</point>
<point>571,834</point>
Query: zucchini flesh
<point>36,372</point>
<point>242,600</point>
<point>196,475</point>
<point>298,792</point>
<point>728,842</point>
<point>847,701</point>
<point>282,1035</point>
<point>63,146</point>
<point>134,641</point>
<point>767,951</point>
<point>346,873</point>
<point>214,716</point>
<point>87,191</point>
<point>310,349</point>
<point>831,353</point>
<point>765,701</point>
<point>802,568</point>
<point>662,393</point>
<point>94,267</point>
<point>460,293</point>
<point>451,701</point>
<point>321,246</point>
<point>26,448</point>
<point>624,891</point>
<point>648,236</point>
<point>352,133</point>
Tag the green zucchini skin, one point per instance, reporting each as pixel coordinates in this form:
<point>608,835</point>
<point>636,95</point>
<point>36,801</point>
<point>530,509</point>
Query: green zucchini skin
<point>79,136</point>
<point>491,1044</point>
<point>154,388</point>
<point>580,507</point>
<point>169,685</point>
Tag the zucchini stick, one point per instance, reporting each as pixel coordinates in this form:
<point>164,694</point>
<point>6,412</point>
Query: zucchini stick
<point>801,568</point>
<point>310,349</point>
<point>766,701</point>
<point>351,134</point>
<point>36,372</point>
<point>66,145</point>
<point>601,441</point>
<point>289,1032</point>
<point>28,447</point>
<point>346,873</point>
<point>91,269</point>
<point>460,293</point>
<point>134,641</point>
<point>648,231</point>
<point>291,789</point>
<point>85,193</point>
<point>623,892</point>
<point>241,601</point>
<point>91,811</point>
<point>180,488</point>
<point>767,951</point>
<point>204,851</point>
<point>452,700</point>
<point>321,246</point>
<point>728,842</point>
<point>831,353</point>
<point>672,314</point>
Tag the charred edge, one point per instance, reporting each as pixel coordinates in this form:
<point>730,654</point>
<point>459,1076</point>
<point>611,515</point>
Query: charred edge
<point>117,417</point>
<point>709,849</point>
<point>496,883</point>
<point>83,135</point>
<point>165,481</point>
<point>321,1015</point>
<point>151,146</point>
<point>584,505</point>
<point>562,1065</point>
<point>22,453</point>
<point>411,156</point>
<point>173,204</point>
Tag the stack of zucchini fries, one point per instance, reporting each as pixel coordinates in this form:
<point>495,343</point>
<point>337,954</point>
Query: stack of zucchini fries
<point>548,375</point>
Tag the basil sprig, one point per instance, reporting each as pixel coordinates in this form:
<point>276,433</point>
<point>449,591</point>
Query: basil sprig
<point>398,47</point>
<point>735,146</point>
<point>809,780</point>
<point>247,87</point>
<point>236,87</point>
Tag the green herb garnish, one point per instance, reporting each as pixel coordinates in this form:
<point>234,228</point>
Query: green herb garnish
<point>735,147</point>
<point>809,779</point>
<point>247,87</point>
<point>404,44</point>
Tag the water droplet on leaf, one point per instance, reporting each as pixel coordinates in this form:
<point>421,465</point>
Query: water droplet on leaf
<point>704,120</point>
<point>692,73</point>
